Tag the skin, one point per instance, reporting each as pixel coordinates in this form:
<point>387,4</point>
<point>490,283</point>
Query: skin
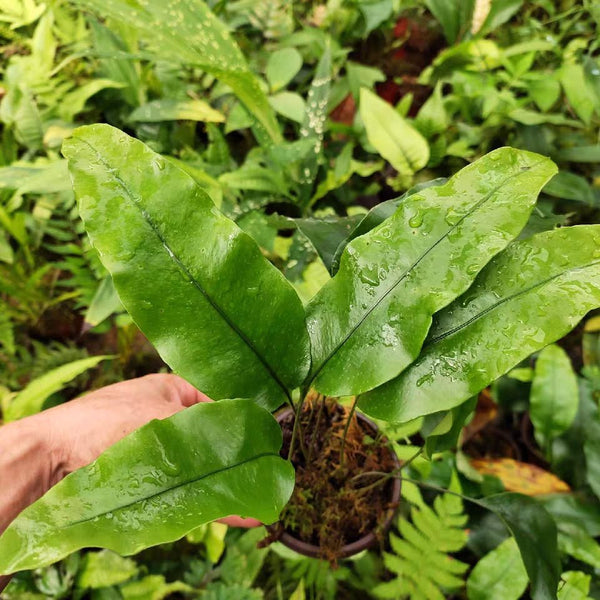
<point>38,451</point>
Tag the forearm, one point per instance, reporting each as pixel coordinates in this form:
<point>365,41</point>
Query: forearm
<point>27,469</point>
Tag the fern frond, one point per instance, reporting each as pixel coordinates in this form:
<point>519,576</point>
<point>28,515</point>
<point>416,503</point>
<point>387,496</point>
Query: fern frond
<point>421,562</point>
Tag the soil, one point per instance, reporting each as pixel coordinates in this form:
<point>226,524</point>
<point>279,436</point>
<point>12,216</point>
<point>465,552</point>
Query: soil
<point>328,508</point>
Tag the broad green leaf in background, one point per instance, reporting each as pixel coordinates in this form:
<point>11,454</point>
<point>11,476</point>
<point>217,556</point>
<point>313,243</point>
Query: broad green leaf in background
<point>591,429</point>
<point>554,395</point>
<point>529,296</point>
<point>454,16</point>
<point>219,314</point>
<point>289,105</point>
<point>326,234</point>
<point>313,126</point>
<point>176,110</point>
<point>534,531</point>
<point>499,12</point>
<point>576,542</point>
<point>152,587</point>
<point>30,400</point>
<point>74,102</point>
<point>27,179</point>
<point>499,574</point>
<point>186,31</point>
<point>369,322</point>
<point>585,154</point>
<point>391,136</point>
<point>103,569</point>
<point>104,303</point>
<point>575,586</point>
<point>157,484</point>
<point>282,67</point>
<point>581,97</point>
<point>570,186</point>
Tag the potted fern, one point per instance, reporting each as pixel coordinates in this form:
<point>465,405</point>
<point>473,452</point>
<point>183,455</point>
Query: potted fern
<point>426,309</point>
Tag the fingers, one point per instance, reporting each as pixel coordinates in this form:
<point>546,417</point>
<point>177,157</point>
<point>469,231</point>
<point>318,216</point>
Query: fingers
<point>240,522</point>
<point>187,393</point>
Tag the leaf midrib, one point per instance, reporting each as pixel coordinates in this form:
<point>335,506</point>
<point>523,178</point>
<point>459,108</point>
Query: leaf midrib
<point>161,492</point>
<point>502,301</point>
<point>416,263</point>
<point>182,267</point>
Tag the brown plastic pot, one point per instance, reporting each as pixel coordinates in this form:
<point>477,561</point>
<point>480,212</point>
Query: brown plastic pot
<point>365,542</point>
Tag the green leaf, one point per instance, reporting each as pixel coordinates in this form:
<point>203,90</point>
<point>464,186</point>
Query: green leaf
<point>397,141</point>
<point>432,117</point>
<point>73,103</point>
<point>313,126</point>
<point>454,16</point>
<point>186,31</point>
<point>104,303</point>
<point>30,400</point>
<point>554,395</point>
<point>375,12</point>
<point>152,587</point>
<point>157,484</point>
<point>282,66</point>
<point>576,542</point>
<point>500,12</point>
<point>103,569</point>
<point>360,76</point>
<point>529,296</point>
<point>570,187</point>
<point>290,105</point>
<point>581,97</point>
<point>378,215</point>
<point>535,533</point>
<point>499,574</point>
<point>586,154</point>
<point>326,234</point>
<point>544,91</point>
<point>197,286</point>
<point>575,587</point>
<point>176,110</point>
<point>369,322</point>
<point>27,179</point>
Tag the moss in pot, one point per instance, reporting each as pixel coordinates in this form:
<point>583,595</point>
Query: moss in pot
<point>427,308</point>
<point>334,512</point>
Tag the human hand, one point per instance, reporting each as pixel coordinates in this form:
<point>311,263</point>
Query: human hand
<point>38,451</point>
<point>82,429</point>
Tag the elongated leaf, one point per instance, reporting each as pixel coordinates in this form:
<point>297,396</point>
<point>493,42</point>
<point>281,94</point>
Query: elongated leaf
<point>576,586</point>
<point>104,303</point>
<point>377,215</point>
<point>32,398</point>
<point>198,287</point>
<point>554,394</point>
<point>499,574</point>
<point>326,234</point>
<point>369,322</point>
<point>397,141</point>
<point>535,533</point>
<point>176,110</point>
<point>187,31</point>
<point>527,297</point>
<point>157,484</point>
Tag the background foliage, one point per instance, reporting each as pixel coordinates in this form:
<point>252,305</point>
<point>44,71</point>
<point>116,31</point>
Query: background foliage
<point>340,108</point>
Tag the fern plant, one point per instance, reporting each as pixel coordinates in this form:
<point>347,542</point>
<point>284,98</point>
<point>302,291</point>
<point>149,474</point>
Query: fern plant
<point>421,558</point>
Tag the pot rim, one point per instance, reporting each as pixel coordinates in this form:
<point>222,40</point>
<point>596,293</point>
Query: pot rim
<point>366,541</point>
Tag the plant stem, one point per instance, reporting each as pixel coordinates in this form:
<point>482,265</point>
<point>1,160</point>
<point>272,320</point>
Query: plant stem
<point>346,428</point>
<point>297,431</point>
<point>321,400</point>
